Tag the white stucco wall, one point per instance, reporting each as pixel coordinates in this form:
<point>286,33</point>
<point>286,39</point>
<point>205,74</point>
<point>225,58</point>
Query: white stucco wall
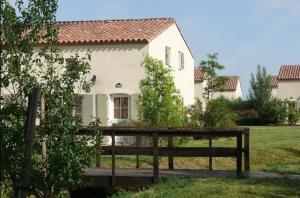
<point>289,89</point>
<point>113,64</point>
<point>274,92</point>
<point>231,95</point>
<point>198,91</point>
<point>184,78</point>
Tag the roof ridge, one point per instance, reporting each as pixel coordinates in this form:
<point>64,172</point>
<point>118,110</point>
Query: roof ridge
<point>298,65</point>
<point>108,20</point>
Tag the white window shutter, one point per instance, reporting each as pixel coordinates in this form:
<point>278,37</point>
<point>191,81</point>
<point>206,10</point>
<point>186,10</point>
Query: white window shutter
<point>101,108</point>
<point>133,107</point>
<point>87,109</point>
<point>182,59</point>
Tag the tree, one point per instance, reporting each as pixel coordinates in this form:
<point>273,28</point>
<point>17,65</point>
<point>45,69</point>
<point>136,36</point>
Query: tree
<point>213,82</point>
<point>260,90</point>
<point>26,64</point>
<point>260,87</point>
<point>160,103</point>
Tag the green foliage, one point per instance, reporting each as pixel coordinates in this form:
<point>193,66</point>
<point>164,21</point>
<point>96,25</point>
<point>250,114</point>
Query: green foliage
<point>273,112</point>
<point>240,105</point>
<point>293,116</point>
<point>194,113</point>
<point>218,114</point>
<point>160,103</point>
<point>260,89</point>
<point>23,67</point>
<point>214,82</point>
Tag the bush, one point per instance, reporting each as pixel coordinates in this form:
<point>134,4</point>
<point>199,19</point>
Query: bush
<point>273,112</point>
<point>194,115</point>
<point>241,105</point>
<point>218,114</point>
<point>293,116</point>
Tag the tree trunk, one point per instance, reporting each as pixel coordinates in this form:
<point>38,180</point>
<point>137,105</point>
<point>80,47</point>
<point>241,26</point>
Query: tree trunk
<point>43,136</point>
<point>29,140</point>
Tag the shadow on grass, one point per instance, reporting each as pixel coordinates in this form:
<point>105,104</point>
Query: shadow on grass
<point>294,152</point>
<point>213,187</point>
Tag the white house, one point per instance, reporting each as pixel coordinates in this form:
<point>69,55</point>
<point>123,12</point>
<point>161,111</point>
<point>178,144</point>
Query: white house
<point>289,85</point>
<point>118,49</point>
<point>274,85</point>
<point>231,90</point>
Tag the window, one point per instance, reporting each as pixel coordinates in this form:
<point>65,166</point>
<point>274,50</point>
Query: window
<point>168,56</point>
<point>120,107</point>
<point>181,60</point>
<point>78,106</point>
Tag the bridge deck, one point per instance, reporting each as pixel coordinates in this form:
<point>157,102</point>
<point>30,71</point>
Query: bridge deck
<point>138,178</point>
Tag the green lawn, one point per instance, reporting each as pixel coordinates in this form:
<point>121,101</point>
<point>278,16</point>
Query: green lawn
<point>273,149</point>
<point>218,188</point>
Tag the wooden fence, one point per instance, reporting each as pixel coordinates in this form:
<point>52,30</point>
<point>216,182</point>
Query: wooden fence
<point>240,150</point>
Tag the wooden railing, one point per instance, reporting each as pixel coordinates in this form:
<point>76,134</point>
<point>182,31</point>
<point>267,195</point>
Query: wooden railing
<point>239,151</point>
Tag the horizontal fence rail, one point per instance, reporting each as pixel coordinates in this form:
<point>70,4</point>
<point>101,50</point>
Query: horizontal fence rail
<point>240,151</point>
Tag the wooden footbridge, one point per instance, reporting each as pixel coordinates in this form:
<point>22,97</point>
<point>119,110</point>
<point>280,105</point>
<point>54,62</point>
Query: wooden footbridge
<point>136,178</point>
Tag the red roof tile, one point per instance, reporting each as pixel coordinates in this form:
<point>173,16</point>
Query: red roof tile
<point>112,31</point>
<point>274,81</point>
<point>198,74</point>
<point>231,83</point>
<point>289,72</point>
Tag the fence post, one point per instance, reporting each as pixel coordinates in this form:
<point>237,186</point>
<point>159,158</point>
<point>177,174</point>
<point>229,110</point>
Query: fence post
<point>210,158</point>
<point>113,158</point>
<point>98,152</point>
<point>137,156</point>
<point>239,155</point>
<point>170,158</point>
<point>155,157</point>
<point>247,150</point>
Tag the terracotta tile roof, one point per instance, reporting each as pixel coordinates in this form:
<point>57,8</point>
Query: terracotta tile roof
<point>231,83</point>
<point>289,72</point>
<point>274,81</point>
<point>198,74</point>
<point>112,31</point>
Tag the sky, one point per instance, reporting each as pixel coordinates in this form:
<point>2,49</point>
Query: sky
<point>244,33</point>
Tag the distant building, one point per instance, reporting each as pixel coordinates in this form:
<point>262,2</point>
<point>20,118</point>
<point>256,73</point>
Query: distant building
<point>274,85</point>
<point>231,90</point>
<point>289,85</point>
<point>118,50</point>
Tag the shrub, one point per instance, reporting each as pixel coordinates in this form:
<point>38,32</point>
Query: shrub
<point>194,114</point>
<point>218,114</point>
<point>293,116</point>
<point>241,105</point>
<point>273,112</point>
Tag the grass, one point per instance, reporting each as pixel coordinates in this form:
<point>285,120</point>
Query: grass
<point>212,187</point>
<point>273,149</point>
